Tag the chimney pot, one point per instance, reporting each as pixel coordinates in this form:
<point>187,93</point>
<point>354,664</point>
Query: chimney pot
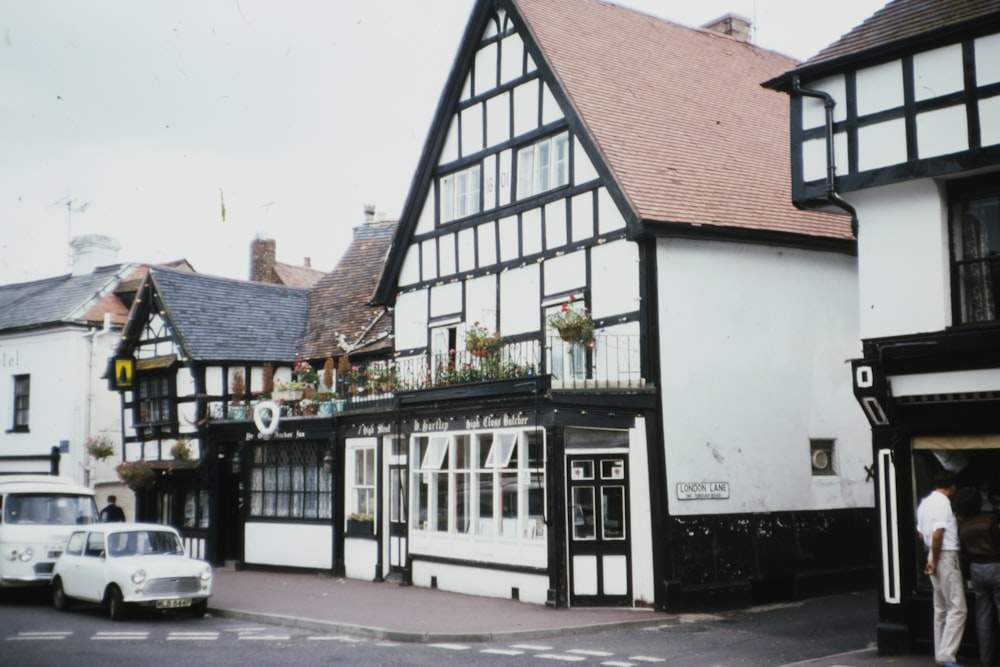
<point>733,25</point>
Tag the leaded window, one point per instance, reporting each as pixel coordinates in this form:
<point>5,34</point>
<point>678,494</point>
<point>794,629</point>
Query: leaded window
<point>155,398</point>
<point>287,480</point>
<point>975,239</point>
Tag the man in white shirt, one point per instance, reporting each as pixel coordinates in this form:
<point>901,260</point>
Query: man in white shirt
<point>938,529</point>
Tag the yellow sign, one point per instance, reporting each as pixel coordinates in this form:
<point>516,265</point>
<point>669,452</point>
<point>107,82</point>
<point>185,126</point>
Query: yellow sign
<point>124,370</point>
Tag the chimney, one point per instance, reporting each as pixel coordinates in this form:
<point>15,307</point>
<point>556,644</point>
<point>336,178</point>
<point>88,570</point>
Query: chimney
<point>262,253</point>
<point>307,262</point>
<point>369,212</point>
<point>91,251</point>
<point>733,25</point>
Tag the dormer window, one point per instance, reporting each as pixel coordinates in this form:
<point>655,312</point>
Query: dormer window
<point>543,166</point>
<point>460,194</point>
<point>975,238</point>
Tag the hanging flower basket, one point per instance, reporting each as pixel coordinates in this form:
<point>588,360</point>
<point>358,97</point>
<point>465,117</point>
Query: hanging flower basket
<point>100,447</point>
<point>573,323</point>
<point>136,475</point>
<point>481,342</point>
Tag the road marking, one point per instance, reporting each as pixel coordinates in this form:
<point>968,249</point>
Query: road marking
<point>340,638</point>
<point>277,638</point>
<point>646,658</point>
<point>192,636</point>
<point>594,654</point>
<point>35,636</point>
<point>451,647</point>
<point>531,647</point>
<point>617,663</point>
<point>120,635</point>
<point>502,651</point>
<point>558,656</point>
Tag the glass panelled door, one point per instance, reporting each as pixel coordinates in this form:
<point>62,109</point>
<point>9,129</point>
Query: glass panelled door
<point>597,486</point>
<point>396,504</point>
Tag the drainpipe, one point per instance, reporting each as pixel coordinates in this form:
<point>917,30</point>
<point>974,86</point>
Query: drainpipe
<point>89,397</point>
<point>832,195</point>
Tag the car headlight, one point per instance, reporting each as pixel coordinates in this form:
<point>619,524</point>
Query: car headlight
<point>138,576</point>
<point>26,555</point>
<point>206,573</point>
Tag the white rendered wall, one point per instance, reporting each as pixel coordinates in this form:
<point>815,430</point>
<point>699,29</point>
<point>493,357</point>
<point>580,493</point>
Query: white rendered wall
<point>289,545</point>
<point>532,588</point>
<point>753,341</point>
<point>68,399</point>
<point>903,259</point>
<point>359,558</point>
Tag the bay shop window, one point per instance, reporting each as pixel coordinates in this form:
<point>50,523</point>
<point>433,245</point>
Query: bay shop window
<point>975,234</point>
<point>487,484</point>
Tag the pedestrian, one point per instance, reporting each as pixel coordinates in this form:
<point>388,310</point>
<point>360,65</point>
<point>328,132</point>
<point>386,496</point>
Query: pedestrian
<point>979,535</point>
<point>937,527</point>
<point>111,511</point>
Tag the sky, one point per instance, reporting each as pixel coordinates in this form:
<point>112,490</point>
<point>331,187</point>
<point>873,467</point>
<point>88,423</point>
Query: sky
<point>184,129</point>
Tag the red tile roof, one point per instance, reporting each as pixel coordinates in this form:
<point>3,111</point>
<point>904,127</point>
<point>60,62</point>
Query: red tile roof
<point>679,116</point>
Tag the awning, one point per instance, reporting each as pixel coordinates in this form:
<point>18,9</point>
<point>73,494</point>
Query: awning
<point>956,442</point>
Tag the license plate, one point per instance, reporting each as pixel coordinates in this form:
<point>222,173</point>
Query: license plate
<point>173,604</point>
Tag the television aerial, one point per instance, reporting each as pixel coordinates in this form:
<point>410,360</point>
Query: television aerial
<point>72,206</point>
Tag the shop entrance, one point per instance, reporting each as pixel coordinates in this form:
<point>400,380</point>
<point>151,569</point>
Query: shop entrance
<point>597,502</point>
<point>397,503</point>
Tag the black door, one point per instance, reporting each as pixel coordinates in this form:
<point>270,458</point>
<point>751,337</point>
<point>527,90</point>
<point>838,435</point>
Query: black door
<point>600,572</point>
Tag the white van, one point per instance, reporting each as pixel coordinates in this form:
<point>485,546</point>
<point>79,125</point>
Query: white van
<point>37,515</point>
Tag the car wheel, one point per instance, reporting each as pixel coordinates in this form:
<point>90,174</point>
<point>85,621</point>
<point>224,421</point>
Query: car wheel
<point>116,605</point>
<point>59,598</point>
<point>199,608</point>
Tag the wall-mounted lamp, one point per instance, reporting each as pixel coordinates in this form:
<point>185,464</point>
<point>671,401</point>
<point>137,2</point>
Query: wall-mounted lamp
<point>237,463</point>
<point>328,461</point>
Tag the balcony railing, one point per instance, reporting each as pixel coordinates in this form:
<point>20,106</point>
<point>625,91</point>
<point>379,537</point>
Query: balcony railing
<point>611,362</point>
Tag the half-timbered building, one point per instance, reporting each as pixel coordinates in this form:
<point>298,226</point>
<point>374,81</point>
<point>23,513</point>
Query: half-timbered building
<point>898,124</point>
<point>619,347</point>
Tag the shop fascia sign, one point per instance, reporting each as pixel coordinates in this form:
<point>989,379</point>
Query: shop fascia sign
<point>474,423</point>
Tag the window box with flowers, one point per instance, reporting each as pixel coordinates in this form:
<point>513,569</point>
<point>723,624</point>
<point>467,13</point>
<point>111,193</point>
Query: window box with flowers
<point>574,324</point>
<point>100,447</point>
<point>181,450</point>
<point>136,475</point>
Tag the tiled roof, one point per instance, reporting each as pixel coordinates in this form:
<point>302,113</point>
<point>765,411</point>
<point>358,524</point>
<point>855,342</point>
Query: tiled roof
<point>220,319</point>
<point>297,276</point>
<point>338,303</point>
<point>63,299</point>
<point>901,20</point>
<point>679,116</point>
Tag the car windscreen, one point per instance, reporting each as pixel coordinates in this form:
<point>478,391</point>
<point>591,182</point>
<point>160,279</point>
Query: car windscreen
<point>49,509</point>
<point>142,542</point>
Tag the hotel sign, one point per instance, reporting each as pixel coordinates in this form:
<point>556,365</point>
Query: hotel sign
<point>703,491</point>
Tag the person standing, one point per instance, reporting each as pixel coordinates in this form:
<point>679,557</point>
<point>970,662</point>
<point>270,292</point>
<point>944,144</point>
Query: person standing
<point>937,527</point>
<point>111,511</point>
<point>979,535</point>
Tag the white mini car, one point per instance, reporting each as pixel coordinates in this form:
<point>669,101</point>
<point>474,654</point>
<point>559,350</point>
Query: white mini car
<point>121,564</point>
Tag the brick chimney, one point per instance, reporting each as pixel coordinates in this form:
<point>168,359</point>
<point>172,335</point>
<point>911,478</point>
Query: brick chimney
<point>734,25</point>
<point>262,252</point>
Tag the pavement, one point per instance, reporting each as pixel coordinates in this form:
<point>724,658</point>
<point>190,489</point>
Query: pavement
<point>388,611</point>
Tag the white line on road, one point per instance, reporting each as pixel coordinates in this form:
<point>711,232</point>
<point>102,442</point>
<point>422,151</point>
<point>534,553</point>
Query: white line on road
<point>646,658</point>
<point>451,647</point>
<point>531,647</point>
<point>617,663</point>
<point>595,654</point>
<point>502,651</point>
<point>559,656</point>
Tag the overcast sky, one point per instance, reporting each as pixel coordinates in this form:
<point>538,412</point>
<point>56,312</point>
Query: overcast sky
<point>140,119</point>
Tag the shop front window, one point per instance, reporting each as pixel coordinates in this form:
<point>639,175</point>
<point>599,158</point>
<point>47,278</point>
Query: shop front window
<point>288,480</point>
<point>486,484</point>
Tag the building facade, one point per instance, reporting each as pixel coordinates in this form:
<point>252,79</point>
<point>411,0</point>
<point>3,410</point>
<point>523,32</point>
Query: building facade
<point>898,124</point>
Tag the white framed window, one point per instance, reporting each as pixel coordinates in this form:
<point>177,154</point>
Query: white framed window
<point>485,485</point>
<point>361,477</point>
<point>460,193</point>
<point>543,166</point>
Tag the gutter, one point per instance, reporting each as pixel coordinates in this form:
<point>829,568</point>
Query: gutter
<point>832,195</point>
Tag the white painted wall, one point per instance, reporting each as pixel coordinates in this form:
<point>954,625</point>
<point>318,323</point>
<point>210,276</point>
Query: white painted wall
<point>68,400</point>
<point>904,277</point>
<point>532,588</point>
<point>753,341</point>
<point>289,545</point>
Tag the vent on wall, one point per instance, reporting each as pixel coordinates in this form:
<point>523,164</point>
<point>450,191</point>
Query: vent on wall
<point>821,455</point>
